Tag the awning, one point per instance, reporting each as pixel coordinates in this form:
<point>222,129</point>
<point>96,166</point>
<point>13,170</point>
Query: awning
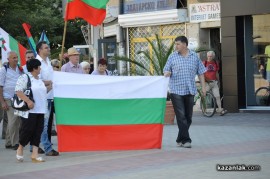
<point>111,13</point>
<point>171,16</point>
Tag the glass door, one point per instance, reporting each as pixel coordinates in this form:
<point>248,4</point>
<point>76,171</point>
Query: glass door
<point>259,64</point>
<point>107,49</point>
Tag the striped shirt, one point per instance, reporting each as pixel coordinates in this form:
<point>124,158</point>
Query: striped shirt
<point>183,71</point>
<point>8,80</point>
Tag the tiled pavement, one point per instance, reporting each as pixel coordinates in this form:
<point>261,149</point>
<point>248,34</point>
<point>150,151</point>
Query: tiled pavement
<point>236,138</point>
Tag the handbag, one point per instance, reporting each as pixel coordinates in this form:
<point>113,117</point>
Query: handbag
<point>19,104</point>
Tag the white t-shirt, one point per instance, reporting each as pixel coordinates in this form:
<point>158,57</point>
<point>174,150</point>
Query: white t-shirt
<point>46,73</point>
<point>39,94</point>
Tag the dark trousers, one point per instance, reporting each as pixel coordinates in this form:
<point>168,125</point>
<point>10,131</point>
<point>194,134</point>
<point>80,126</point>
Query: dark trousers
<point>50,122</point>
<point>31,129</point>
<point>183,108</point>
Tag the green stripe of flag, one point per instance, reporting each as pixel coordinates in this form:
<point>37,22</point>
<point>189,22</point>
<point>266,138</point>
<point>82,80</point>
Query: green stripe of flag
<point>13,44</point>
<point>32,44</point>
<point>100,4</point>
<point>109,111</point>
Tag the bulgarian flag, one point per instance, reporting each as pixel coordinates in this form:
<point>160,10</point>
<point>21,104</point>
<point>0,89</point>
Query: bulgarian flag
<point>109,113</point>
<point>93,11</point>
<point>31,41</point>
<point>8,43</point>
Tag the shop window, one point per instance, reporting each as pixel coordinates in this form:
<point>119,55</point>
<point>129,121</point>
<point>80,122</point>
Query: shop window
<point>137,41</point>
<point>261,61</point>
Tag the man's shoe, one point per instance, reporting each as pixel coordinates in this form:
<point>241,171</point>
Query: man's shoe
<point>15,147</point>
<point>179,144</point>
<point>223,112</point>
<point>40,151</point>
<point>186,145</point>
<point>8,146</point>
<point>52,153</point>
<point>54,133</point>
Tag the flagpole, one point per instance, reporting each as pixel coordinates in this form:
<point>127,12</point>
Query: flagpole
<point>64,36</point>
<point>63,42</point>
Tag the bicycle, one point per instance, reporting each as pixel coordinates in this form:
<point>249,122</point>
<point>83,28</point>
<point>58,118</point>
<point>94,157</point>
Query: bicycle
<point>262,96</point>
<point>207,102</point>
<point>262,93</point>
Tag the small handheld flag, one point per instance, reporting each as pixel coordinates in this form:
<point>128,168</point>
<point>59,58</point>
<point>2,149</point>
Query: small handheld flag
<point>31,41</point>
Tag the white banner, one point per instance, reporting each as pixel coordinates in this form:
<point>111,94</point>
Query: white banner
<point>74,85</point>
<point>204,12</point>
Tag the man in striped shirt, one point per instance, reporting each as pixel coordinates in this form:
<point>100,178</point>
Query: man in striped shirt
<point>9,75</point>
<point>182,67</point>
<point>73,65</point>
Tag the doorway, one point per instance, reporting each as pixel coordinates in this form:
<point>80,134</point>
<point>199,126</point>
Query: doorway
<point>215,45</point>
<point>107,49</point>
<point>257,37</point>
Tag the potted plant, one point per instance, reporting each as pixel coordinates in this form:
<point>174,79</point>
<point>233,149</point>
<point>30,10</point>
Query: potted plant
<point>156,61</point>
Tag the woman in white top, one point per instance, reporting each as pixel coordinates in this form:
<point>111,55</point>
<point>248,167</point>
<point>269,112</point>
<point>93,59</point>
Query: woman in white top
<point>32,121</point>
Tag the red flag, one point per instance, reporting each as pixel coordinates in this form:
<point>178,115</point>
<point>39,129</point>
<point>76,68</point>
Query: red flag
<point>94,12</point>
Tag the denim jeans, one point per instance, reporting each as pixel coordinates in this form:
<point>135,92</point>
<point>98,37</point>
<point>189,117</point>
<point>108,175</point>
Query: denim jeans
<point>44,136</point>
<point>183,108</point>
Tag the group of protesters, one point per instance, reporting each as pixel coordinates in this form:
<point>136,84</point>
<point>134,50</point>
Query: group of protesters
<point>35,125</point>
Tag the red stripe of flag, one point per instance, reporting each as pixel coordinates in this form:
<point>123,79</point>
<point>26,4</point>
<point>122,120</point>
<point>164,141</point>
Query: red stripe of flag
<point>117,137</point>
<point>27,28</point>
<point>29,36</point>
<point>22,51</point>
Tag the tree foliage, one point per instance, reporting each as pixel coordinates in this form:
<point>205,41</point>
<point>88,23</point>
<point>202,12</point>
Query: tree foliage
<point>41,15</point>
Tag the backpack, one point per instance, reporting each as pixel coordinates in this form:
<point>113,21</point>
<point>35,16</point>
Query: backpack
<point>7,66</point>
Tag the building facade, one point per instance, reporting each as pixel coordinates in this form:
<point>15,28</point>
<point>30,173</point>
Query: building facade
<point>141,19</point>
<point>239,35</point>
<point>245,38</point>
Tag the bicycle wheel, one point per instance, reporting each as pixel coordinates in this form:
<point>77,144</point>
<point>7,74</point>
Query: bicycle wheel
<point>208,104</point>
<point>262,96</point>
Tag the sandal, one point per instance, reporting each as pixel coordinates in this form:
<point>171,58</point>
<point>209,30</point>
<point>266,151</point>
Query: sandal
<point>38,160</point>
<point>223,112</point>
<point>19,158</point>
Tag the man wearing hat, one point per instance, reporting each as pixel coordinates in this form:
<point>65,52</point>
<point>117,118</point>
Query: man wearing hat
<point>73,65</point>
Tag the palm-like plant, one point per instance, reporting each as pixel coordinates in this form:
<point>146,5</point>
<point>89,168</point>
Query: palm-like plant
<point>157,60</point>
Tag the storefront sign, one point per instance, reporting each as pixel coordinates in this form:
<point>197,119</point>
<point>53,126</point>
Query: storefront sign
<point>204,12</point>
<point>136,6</point>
